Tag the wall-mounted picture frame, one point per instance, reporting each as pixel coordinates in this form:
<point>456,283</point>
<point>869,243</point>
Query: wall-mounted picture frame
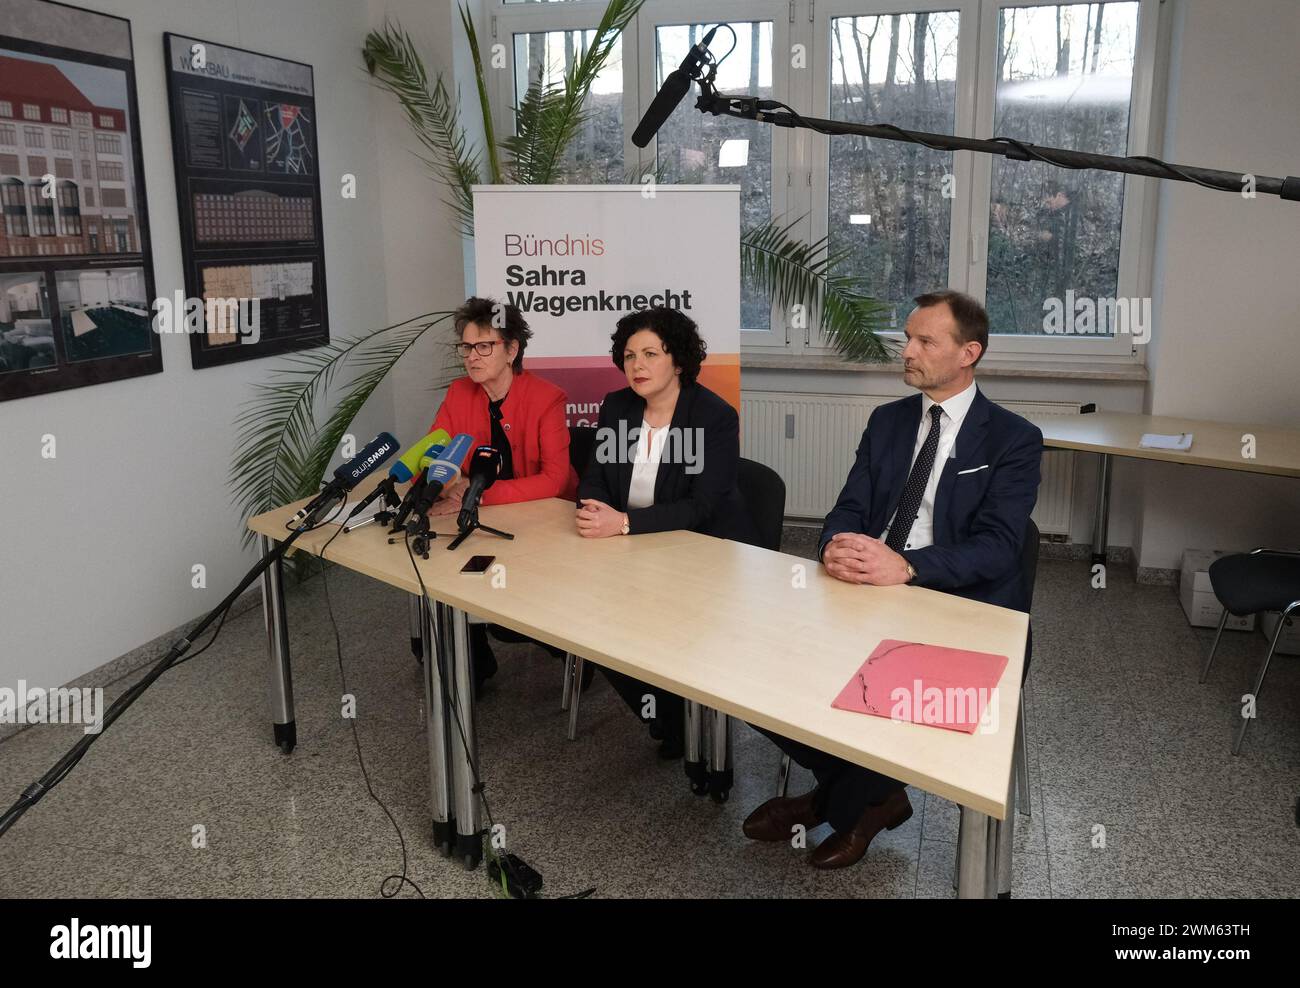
<point>248,192</point>
<point>76,271</point>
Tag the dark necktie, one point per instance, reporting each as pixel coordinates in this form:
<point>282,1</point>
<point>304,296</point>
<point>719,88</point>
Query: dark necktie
<point>910,503</point>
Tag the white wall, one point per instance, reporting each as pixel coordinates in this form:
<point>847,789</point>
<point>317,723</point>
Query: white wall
<point>96,545</point>
<point>1226,342</point>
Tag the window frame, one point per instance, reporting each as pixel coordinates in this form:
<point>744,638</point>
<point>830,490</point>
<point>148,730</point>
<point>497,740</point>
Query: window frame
<point>804,157</point>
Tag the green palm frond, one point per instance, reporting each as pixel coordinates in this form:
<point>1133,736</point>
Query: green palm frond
<point>550,116</point>
<point>480,79</point>
<point>281,455</point>
<point>791,272</point>
<point>434,116</point>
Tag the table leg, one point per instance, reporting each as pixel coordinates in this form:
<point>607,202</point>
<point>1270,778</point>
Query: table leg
<point>1101,520</point>
<point>464,747</point>
<point>435,711</point>
<point>277,646</point>
<point>1006,834</point>
<point>977,857</point>
<point>693,745</point>
<point>417,626</point>
<point>720,768</point>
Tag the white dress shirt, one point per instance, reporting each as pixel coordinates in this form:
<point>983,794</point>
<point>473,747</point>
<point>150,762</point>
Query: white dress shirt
<point>645,467</point>
<point>950,420</point>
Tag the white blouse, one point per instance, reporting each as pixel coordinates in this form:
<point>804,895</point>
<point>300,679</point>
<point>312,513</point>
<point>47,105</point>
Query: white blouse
<point>645,467</point>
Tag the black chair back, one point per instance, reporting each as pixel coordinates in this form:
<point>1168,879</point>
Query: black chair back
<point>763,492</point>
<point>582,440</point>
<point>1028,574</point>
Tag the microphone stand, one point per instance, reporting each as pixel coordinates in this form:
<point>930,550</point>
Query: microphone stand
<point>470,526</point>
<point>38,789</point>
<point>778,114</point>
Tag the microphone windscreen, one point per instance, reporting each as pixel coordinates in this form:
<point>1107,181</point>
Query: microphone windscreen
<point>408,464</point>
<point>376,452</point>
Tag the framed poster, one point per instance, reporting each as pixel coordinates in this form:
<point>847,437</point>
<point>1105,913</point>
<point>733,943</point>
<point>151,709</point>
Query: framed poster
<point>248,191</point>
<point>76,276</point>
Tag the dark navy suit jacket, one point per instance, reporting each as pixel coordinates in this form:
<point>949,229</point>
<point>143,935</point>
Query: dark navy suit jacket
<point>981,509</point>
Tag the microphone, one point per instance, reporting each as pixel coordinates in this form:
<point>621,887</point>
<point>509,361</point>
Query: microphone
<point>415,490</point>
<point>484,466</point>
<point>408,464</point>
<point>677,85</point>
<point>349,474</point>
<point>443,472</point>
<point>426,450</point>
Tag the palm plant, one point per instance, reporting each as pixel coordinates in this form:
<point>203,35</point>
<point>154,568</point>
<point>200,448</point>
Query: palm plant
<point>281,453</point>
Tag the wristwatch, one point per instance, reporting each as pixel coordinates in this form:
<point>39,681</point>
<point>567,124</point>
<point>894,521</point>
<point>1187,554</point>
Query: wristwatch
<point>626,525</point>
<point>911,572</point>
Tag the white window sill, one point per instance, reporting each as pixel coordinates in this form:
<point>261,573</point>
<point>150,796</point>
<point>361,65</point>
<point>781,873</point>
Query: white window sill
<point>1090,370</point>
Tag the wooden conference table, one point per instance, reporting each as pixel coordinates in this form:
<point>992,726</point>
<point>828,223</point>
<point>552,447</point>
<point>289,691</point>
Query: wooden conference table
<point>1214,444</point>
<point>745,632</point>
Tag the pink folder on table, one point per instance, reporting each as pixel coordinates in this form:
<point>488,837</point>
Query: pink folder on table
<point>924,684</point>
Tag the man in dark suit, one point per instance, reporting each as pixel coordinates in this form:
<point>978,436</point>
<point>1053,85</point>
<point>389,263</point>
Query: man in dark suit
<point>939,497</point>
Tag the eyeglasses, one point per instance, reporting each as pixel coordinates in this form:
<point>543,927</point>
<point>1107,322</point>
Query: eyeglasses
<point>483,348</point>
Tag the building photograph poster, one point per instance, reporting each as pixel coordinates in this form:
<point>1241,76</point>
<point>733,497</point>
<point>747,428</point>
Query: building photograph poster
<point>248,190</point>
<point>76,277</point>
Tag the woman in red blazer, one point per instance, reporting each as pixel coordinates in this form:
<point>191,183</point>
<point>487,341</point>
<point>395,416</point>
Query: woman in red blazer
<point>501,405</point>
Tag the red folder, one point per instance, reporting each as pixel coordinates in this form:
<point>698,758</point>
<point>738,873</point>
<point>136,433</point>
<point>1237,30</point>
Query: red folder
<point>924,684</point>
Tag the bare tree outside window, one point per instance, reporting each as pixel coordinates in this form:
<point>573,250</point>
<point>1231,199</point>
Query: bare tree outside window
<point>1065,79</point>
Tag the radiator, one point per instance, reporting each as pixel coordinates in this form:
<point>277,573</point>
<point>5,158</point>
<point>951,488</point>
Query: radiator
<point>810,440</point>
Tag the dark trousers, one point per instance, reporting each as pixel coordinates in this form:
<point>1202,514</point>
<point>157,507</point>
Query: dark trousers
<point>844,790</point>
<point>484,661</point>
<point>669,708</point>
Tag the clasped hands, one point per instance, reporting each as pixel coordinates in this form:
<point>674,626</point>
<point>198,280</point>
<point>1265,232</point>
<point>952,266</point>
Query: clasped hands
<point>856,558</point>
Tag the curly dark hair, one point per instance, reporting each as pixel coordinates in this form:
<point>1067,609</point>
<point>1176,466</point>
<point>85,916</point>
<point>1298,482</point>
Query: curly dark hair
<point>504,318</point>
<point>680,336</point>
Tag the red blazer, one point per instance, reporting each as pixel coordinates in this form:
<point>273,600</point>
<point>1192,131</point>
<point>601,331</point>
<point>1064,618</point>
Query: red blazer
<point>533,418</point>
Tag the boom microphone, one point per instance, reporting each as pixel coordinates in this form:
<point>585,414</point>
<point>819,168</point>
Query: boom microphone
<point>677,85</point>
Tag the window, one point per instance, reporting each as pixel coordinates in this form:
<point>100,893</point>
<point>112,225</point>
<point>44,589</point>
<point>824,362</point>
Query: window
<point>69,210</point>
<point>110,171</point>
<point>31,111</point>
<point>122,235</point>
<point>83,142</point>
<point>106,121</point>
<point>58,115</point>
<point>108,144</point>
<point>1065,79</point>
<point>87,172</point>
<point>543,58</point>
<point>910,219</point>
<point>9,164</point>
<point>80,118</point>
<point>61,140</point>
<point>6,108</point>
<point>89,195</point>
<point>112,197</point>
<point>42,210</point>
<point>63,168</point>
<point>34,137</point>
<point>36,165</point>
<point>14,204</point>
<point>8,134</point>
<point>891,203</point>
<point>690,146</point>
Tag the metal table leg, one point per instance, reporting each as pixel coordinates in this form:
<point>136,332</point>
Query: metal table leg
<point>277,645</point>
<point>576,665</point>
<point>1101,520</point>
<point>435,711</point>
<point>417,627</point>
<point>695,761</point>
<point>720,768</point>
<point>464,746</point>
<point>1006,834</point>
<point>977,857</point>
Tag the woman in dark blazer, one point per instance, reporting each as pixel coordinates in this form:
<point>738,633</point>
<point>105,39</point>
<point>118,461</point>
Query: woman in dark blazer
<point>665,458</point>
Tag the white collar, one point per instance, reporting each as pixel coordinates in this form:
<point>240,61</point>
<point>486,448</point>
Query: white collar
<point>955,407</point>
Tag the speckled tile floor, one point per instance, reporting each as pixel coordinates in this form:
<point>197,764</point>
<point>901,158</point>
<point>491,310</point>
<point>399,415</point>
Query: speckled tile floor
<point>1144,768</point>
